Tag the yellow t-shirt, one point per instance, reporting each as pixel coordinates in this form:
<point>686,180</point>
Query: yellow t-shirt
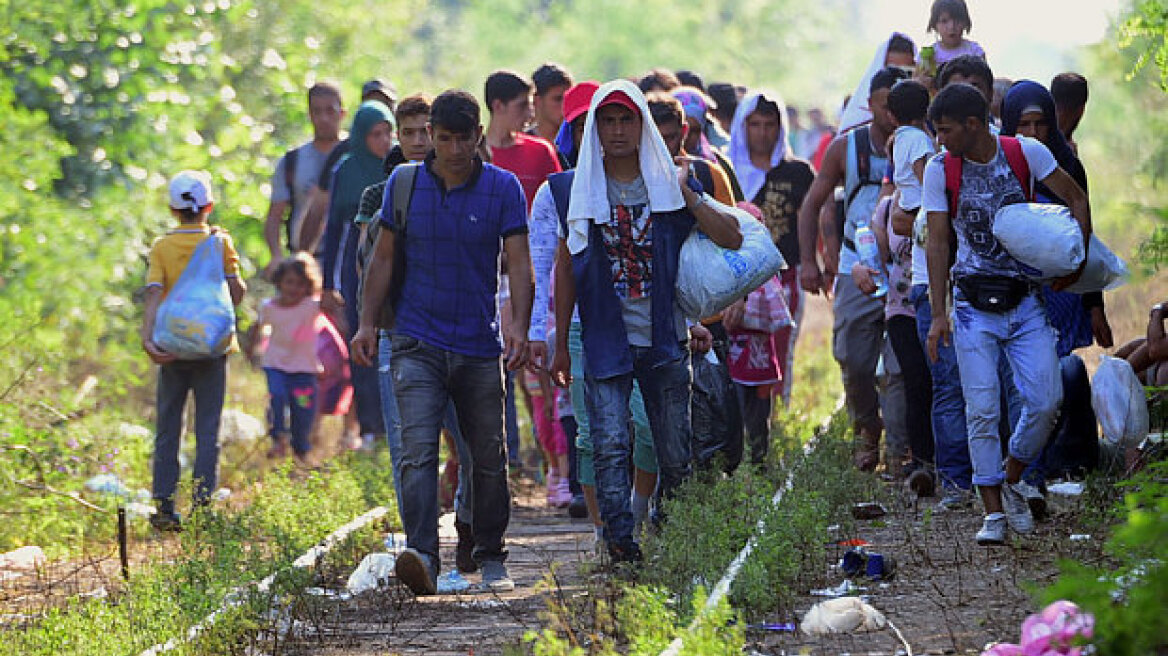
<point>170,254</point>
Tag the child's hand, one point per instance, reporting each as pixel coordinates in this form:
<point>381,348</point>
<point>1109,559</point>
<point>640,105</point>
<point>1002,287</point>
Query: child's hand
<point>156,353</point>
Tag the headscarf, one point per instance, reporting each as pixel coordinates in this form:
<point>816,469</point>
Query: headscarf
<point>1024,96</point>
<point>360,168</point>
<point>856,112</point>
<point>750,177</point>
<point>697,106</point>
<point>589,200</point>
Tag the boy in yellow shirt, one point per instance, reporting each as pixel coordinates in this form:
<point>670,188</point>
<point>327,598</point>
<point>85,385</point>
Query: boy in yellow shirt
<point>191,203</point>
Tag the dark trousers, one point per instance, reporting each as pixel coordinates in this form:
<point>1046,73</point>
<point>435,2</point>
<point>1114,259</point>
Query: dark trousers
<point>207,379</point>
<point>918,388</point>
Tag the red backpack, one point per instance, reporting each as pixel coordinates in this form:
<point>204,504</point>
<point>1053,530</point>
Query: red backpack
<point>1012,148</point>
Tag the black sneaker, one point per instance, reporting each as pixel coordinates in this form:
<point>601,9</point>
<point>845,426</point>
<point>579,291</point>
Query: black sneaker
<point>464,553</point>
<point>627,553</point>
<point>169,522</point>
<point>413,570</point>
<point>578,509</point>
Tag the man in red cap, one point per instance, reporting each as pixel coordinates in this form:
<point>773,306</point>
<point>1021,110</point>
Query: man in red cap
<point>628,213</point>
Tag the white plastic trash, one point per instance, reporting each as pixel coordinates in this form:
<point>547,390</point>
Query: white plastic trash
<point>23,559</point>
<point>108,484</point>
<point>1119,402</point>
<point>1044,237</point>
<point>843,615</point>
<point>373,570</point>
<point>710,277</point>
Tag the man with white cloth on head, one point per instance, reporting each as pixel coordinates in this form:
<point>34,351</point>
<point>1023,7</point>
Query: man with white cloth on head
<point>631,209</point>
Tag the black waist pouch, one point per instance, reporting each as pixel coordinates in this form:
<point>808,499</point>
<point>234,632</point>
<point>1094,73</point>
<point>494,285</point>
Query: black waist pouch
<point>993,293</point>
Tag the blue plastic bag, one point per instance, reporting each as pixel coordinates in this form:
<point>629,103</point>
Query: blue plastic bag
<point>197,319</point>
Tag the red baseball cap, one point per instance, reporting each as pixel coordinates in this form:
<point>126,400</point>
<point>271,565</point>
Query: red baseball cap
<point>620,98</point>
<point>577,99</point>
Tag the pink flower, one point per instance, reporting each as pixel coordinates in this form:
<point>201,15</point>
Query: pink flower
<point>1055,631</point>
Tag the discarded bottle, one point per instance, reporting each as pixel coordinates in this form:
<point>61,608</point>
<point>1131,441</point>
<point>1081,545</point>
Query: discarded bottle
<point>869,252</point>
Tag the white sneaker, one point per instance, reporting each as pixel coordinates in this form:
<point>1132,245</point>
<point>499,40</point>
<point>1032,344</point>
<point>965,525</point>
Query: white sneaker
<point>1017,510</point>
<point>1034,499</point>
<point>993,530</point>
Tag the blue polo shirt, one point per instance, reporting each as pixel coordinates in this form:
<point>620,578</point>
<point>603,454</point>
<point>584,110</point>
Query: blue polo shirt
<point>453,238</point>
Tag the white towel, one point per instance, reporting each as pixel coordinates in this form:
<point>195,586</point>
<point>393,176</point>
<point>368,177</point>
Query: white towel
<point>750,177</point>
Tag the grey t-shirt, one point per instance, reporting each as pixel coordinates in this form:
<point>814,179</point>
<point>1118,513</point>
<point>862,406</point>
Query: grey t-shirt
<point>985,188</point>
<point>628,242</point>
<point>309,161</point>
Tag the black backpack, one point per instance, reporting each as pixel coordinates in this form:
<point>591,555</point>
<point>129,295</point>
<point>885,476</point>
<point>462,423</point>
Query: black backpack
<point>403,193</point>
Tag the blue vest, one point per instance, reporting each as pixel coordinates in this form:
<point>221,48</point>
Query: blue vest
<point>602,325</point>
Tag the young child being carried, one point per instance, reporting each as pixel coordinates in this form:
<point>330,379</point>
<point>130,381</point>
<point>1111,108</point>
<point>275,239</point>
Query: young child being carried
<point>191,202</point>
<point>292,321</point>
<point>912,146</point>
<point>950,20</point>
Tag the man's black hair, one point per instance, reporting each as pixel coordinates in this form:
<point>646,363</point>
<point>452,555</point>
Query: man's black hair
<point>324,88</point>
<point>550,76</point>
<point>658,79</point>
<point>885,78</point>
<point>956,10</point>
<point>901,43</point>
<point>958,102</point>
<point>689,78</point>
<point>1069,90</point>
<point>967,66</point>
<point>908,101</point>
<point>455,110</point>
<point>768,107</point>
<point>504,86</point>
<point>724,94</point>
<point>664,108</point>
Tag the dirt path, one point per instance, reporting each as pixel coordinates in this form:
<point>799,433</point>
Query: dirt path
<point>392,621</point>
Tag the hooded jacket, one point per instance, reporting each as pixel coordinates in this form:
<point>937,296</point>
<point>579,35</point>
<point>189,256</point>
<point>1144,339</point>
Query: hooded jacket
<point>356,171</point>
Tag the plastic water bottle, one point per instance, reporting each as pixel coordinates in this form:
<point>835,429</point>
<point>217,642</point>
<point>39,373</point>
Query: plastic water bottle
<point>869,252</point>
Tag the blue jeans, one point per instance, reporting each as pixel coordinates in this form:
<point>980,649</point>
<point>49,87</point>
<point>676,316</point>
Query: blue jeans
<point>292,395</point>
<point>1025,337</point>
<point>389,411</point>
<point>207,379</point>
<point>425,380</point>
<point>643,456</point>
<point>666,390</point>
<point>951,447</point>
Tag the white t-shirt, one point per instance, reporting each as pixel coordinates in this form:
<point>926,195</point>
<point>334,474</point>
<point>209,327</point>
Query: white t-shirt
<point>910,144</point>
<point>985,188</point>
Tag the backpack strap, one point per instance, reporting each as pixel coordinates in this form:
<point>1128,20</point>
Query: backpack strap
<point>863,146</point>
<point>403,192</point>
<point>953,166</point>
<point>1012,149</point>
<point>290,160</point>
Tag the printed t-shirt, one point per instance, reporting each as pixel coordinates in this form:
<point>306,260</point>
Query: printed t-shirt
<point>170,254</point>
<point>292,335</point>
<point>628,243</point>
<point>531,159</point>
<point>779,198</point>
<point>985,188</point>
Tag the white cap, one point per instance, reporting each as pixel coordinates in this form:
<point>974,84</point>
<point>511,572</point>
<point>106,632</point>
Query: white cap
<point>191,190</point>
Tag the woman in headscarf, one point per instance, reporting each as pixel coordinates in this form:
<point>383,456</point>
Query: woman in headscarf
<point>371,137</point>
<point>1028,110</point>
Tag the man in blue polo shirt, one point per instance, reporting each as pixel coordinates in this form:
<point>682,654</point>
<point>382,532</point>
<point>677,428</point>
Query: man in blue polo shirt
<point>446,338</point>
